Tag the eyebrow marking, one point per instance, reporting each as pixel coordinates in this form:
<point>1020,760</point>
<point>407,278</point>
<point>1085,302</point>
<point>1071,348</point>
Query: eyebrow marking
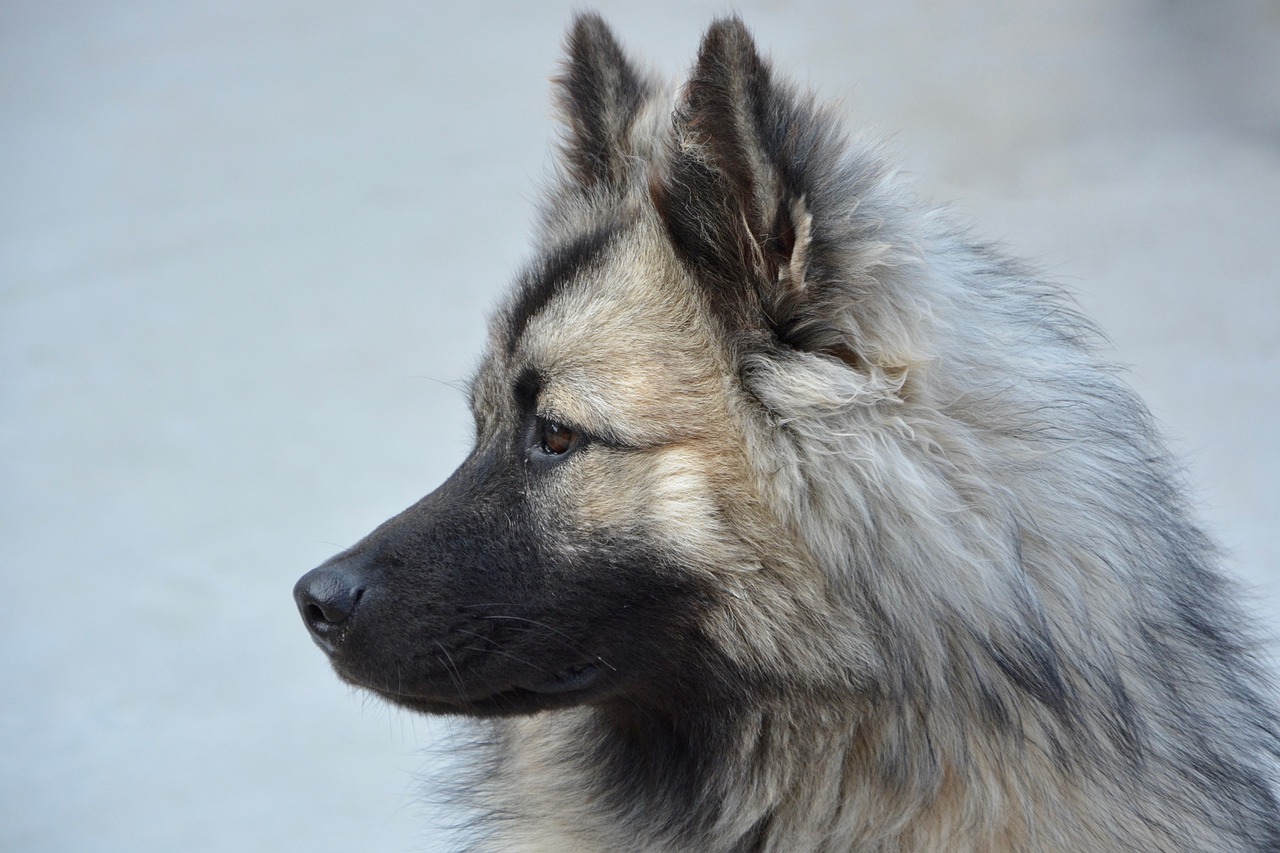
<point>540,283</point>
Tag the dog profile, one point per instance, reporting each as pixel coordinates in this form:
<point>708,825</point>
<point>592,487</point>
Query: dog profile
<point>799,520</point>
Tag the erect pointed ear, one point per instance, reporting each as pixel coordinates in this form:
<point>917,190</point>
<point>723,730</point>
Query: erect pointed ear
<point>599,94</point>
<point>732,194</point>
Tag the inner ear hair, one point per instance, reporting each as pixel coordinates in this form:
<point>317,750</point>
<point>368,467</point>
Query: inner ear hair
<point>726,191</point>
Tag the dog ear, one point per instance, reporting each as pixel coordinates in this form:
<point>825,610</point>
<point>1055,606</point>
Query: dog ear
<point>732,191</point>
<point>599,94</point>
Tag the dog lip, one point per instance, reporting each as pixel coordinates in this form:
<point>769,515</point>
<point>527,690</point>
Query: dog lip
<point>570,680</point>
<point>329,637</point>
<point>324,643</point>
<point>574,679</point>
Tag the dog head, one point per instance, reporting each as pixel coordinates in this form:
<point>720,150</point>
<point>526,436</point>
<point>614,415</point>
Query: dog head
<point>614,536</point>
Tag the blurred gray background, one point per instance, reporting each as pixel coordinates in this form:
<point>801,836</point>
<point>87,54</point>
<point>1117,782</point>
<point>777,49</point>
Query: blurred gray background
<point>246,250</point>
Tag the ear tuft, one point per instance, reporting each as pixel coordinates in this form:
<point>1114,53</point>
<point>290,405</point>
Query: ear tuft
<point>599,94</point>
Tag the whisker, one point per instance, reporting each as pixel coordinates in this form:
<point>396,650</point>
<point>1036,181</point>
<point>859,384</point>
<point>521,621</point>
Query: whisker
<point>452,668</point>
<point>570,641</point>
<point>513,657</point>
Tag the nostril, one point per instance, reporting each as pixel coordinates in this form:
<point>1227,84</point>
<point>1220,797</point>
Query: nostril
<point>327,597</point>
<point>333,610</point>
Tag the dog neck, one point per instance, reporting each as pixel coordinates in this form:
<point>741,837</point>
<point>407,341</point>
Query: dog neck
<point>807,781</point>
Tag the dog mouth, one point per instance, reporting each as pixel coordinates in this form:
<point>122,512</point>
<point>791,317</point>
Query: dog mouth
<point>569,680</point>
<point>570,686</point>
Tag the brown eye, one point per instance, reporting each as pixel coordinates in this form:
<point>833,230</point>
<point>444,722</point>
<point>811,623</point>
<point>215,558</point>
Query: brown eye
<point>554,438</point>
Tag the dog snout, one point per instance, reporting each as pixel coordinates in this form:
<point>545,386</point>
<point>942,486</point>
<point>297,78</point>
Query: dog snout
<point>327,598</point>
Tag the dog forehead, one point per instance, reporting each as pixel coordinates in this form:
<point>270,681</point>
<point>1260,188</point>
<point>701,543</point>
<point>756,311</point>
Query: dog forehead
<point>618,285</point>
<point>618,337</point>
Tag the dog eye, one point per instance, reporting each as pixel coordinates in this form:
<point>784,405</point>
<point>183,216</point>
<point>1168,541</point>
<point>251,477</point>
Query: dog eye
<point>555,439</point>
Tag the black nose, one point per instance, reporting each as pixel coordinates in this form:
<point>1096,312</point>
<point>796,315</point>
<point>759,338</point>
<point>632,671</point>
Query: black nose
<point>327,597</point>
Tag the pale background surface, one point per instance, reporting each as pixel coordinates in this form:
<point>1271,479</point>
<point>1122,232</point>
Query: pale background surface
<point>246,246</point>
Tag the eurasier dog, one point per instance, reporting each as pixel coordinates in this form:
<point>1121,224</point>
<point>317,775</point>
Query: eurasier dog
<point>799,521</point>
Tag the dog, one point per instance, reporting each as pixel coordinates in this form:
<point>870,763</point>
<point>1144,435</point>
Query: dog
<point>799,520</point>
